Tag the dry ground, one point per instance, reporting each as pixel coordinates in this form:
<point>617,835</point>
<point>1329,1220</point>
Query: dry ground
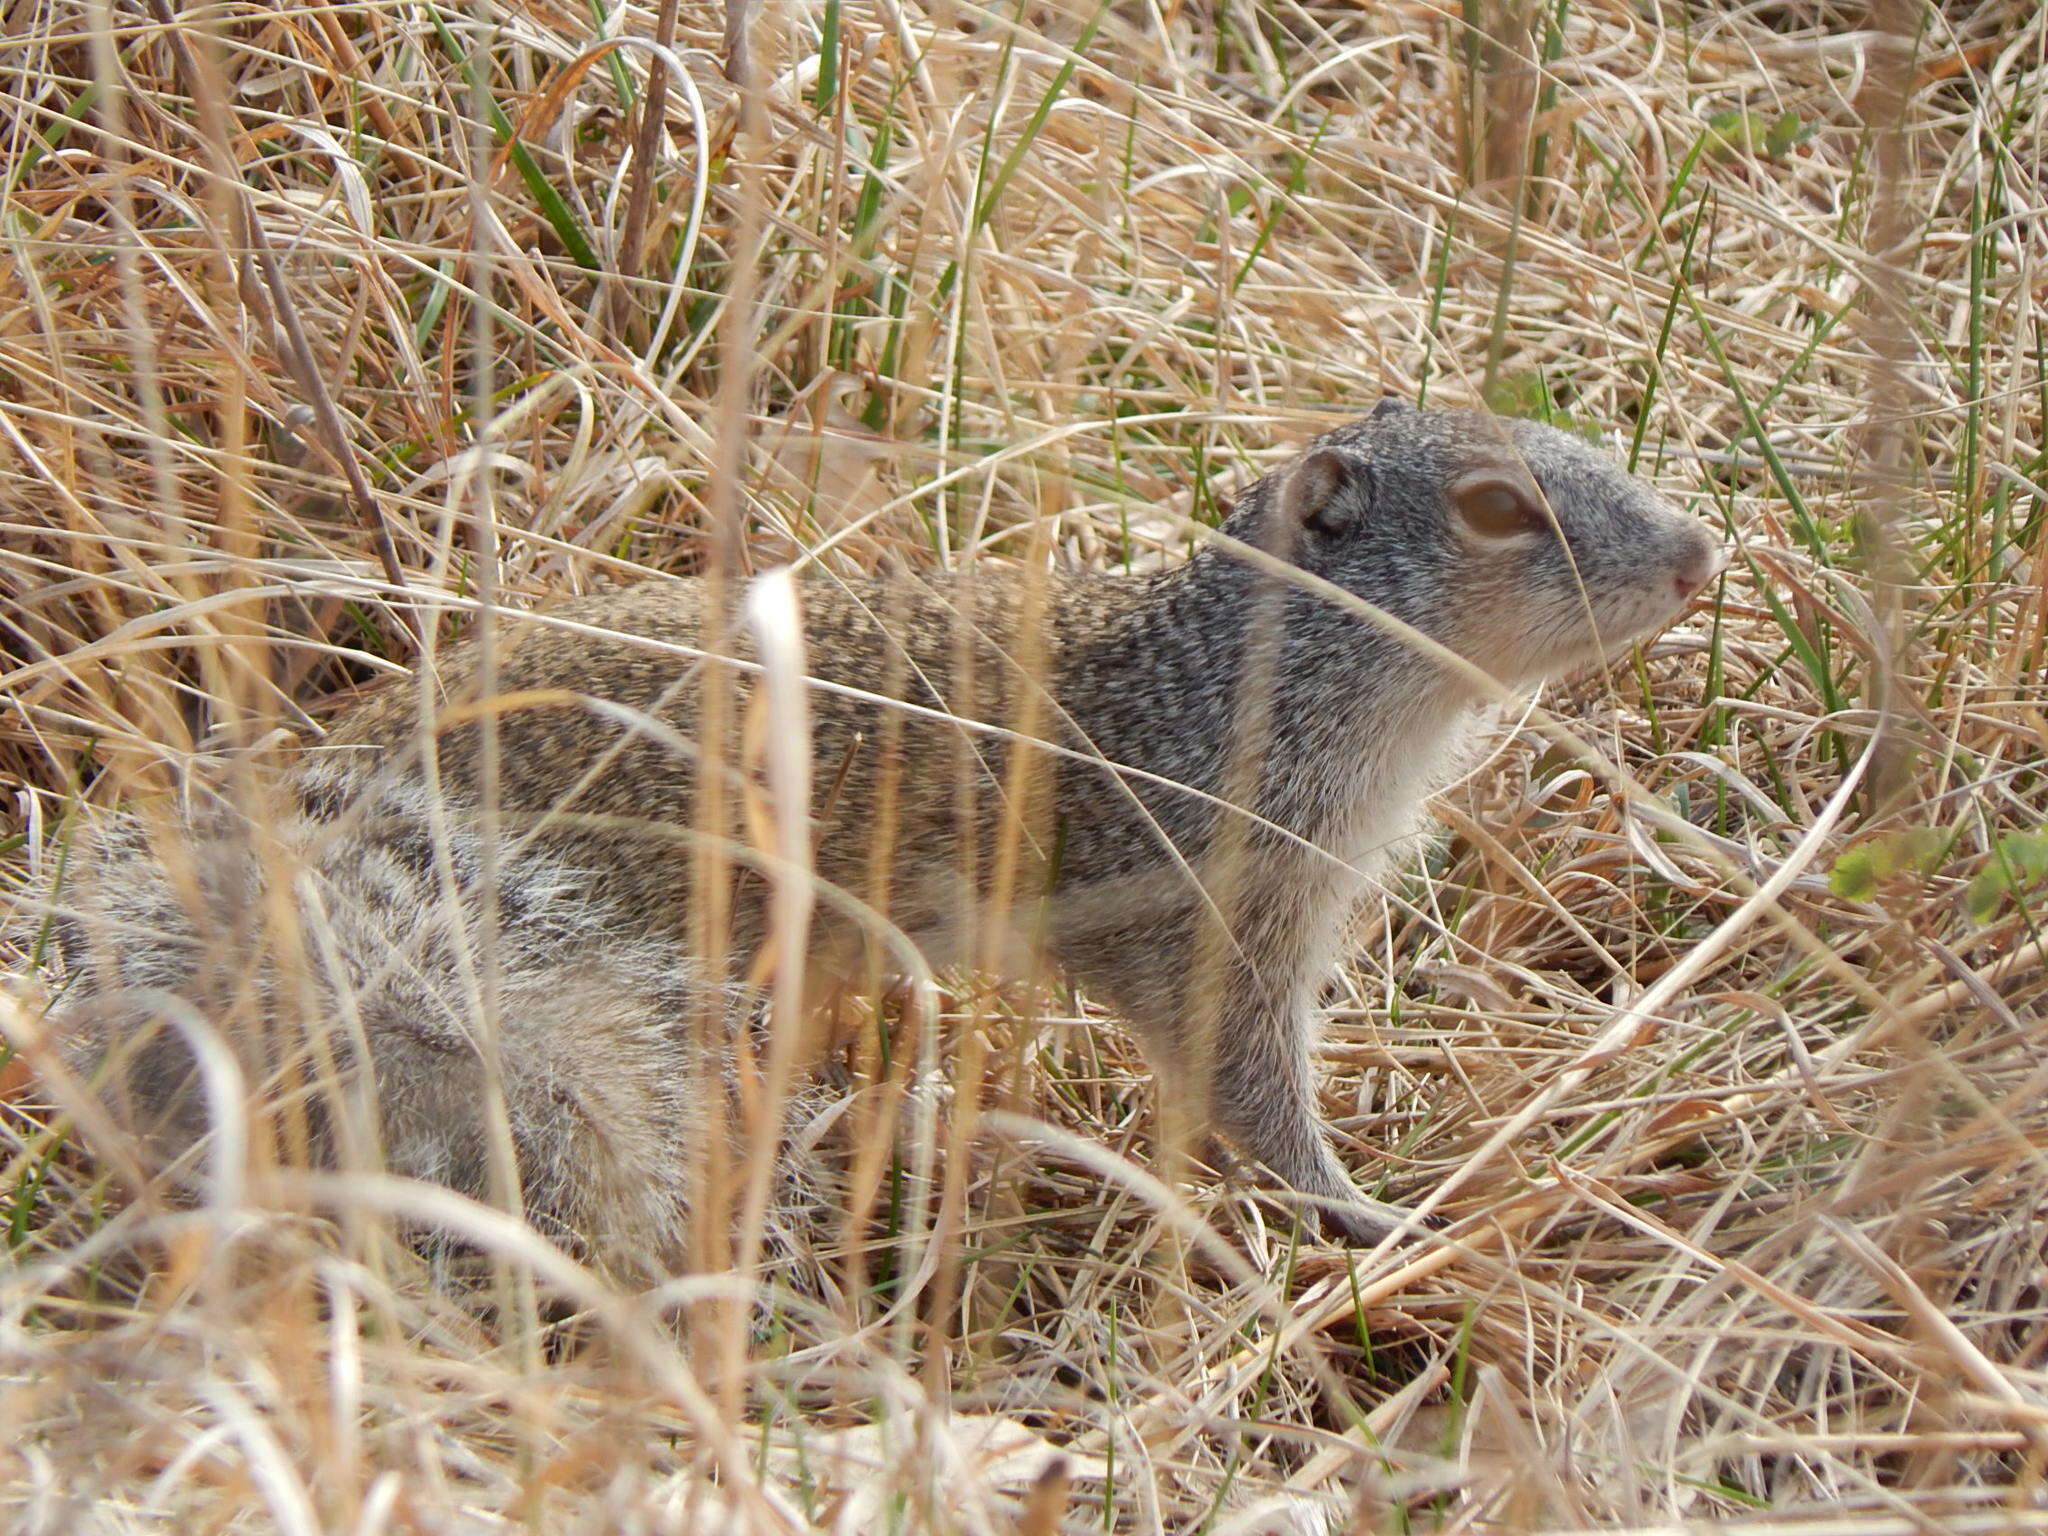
<point>317,318</point>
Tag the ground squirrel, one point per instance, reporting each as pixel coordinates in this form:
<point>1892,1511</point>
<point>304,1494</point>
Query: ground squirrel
<point>1231,752</point>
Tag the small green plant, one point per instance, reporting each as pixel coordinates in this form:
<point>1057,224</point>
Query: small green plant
<point>1863,870</point>
<point>1743,132</point>
<point>2018,863</point>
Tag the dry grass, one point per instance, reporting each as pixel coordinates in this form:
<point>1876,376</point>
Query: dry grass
<point>1749,1191</point>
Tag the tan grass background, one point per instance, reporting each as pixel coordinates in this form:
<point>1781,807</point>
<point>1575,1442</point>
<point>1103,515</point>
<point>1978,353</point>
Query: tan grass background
<point>318,322</point>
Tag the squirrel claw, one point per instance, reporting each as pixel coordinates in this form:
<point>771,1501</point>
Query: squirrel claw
<point>1363,1223</point>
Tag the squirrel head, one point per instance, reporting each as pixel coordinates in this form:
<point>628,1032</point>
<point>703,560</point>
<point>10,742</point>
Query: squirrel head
<point>1522,548</point>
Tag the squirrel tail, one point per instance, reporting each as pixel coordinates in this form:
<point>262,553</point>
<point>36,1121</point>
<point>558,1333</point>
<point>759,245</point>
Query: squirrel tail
<point>320,982</point>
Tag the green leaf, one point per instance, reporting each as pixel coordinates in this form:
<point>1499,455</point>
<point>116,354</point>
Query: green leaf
<point>1919,849</point>
<point>1861,869</point>
<point>2018,860</point>
<point>622,80</point>
<point>827,93</point>
<point>1743,132</point>
<point>1986,892</point>
<point>1788,130</point>
<point>1855,877</point>
<point>2028,852</point>
<point>1001,181</point>
<point>1522,393</point>
<point>553,206</point>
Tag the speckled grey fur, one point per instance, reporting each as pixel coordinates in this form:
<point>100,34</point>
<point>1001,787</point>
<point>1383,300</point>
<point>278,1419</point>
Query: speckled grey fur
<point>1178,704</point>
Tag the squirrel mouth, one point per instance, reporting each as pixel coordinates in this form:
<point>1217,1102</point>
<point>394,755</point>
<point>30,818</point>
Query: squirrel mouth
<point>1665,615</point>
<point>1581,646</point>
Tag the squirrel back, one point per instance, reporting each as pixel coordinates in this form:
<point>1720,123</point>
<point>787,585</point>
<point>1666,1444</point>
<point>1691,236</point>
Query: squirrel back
<point>1157,710</point>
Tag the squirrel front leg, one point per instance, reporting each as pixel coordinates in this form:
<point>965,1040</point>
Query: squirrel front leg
<point>1262,1091</point>
<point>1239,1038</point>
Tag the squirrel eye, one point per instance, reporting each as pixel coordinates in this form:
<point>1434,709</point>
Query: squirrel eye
<point>1497,509</point>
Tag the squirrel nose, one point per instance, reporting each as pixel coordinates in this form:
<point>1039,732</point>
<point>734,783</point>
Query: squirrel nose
<point>1706,561</point>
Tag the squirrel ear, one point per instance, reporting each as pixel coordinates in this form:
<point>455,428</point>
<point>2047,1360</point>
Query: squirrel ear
<point>1391,405</point>
<point>1328,491</point>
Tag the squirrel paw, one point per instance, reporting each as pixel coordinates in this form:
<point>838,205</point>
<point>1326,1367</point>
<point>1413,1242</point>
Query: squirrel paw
<point>1363,1223</point>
